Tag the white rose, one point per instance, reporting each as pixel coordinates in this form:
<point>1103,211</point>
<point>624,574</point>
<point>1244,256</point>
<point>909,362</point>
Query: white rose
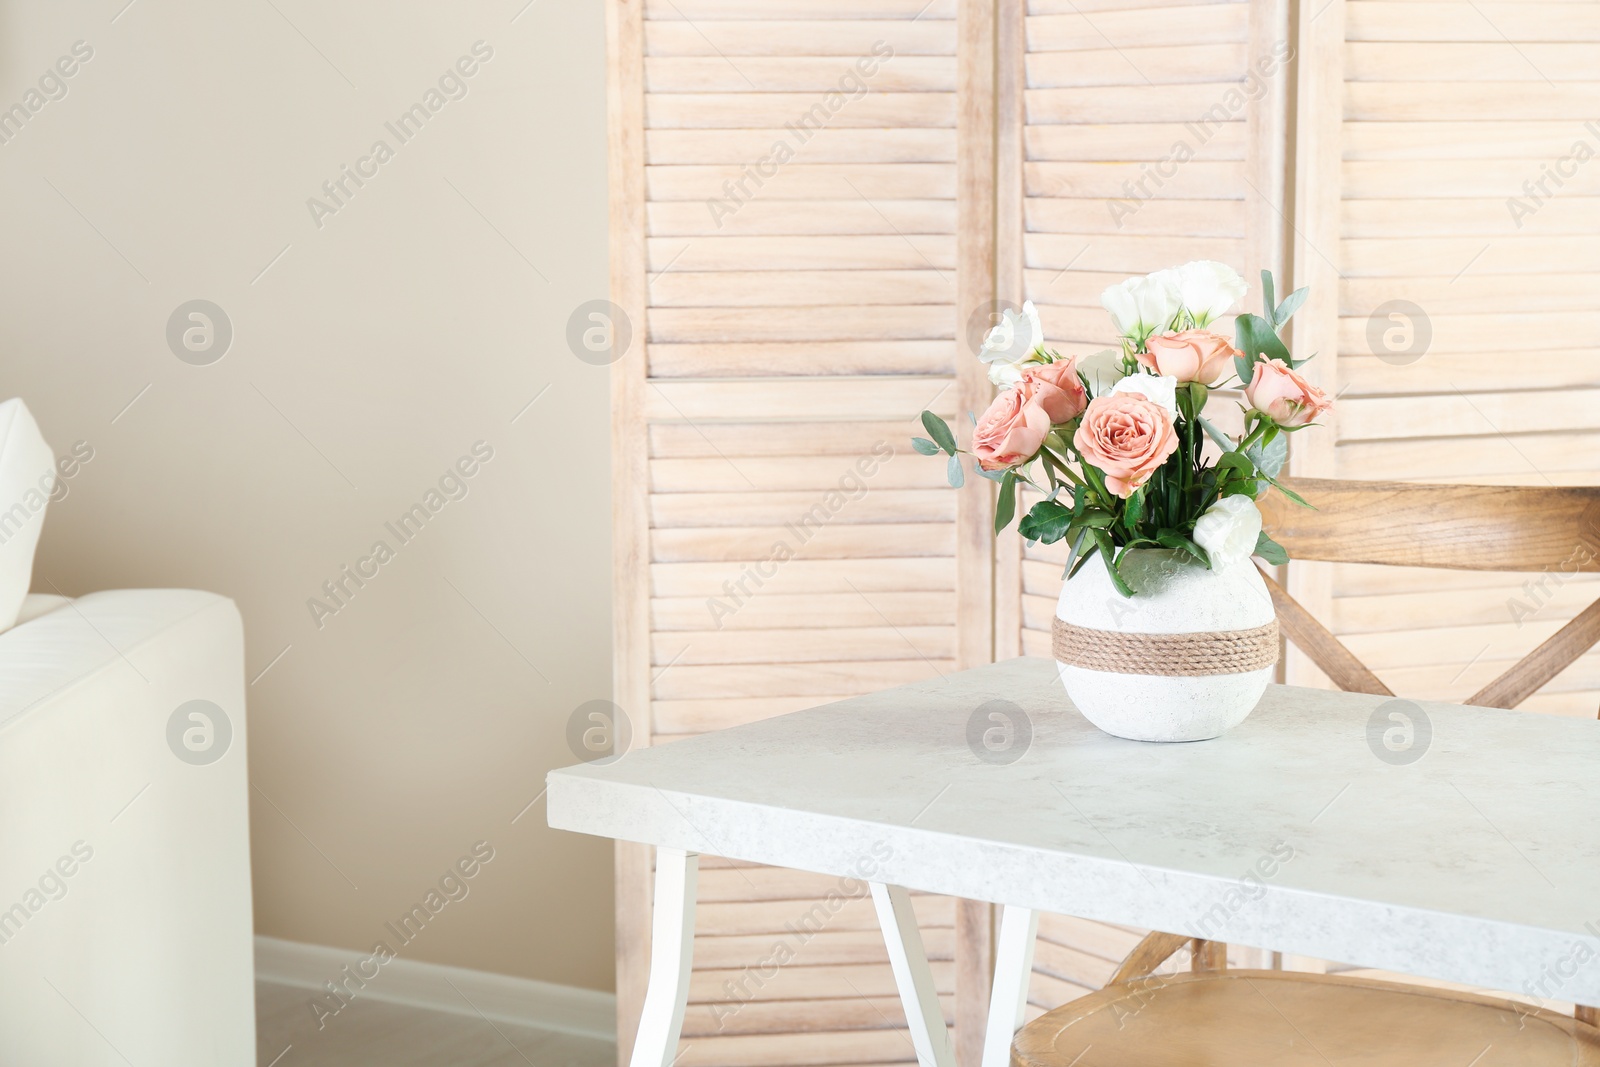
<point>1208,289</point>
<point>1228,531</point>
<point>1103,369</point>
<point>1141,306</point>
<point>1162,388</point>
<point>1005,375</point>
<point>1013,338</point>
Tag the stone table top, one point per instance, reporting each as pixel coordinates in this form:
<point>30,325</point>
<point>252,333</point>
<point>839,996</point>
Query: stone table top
<point>1471,855</point>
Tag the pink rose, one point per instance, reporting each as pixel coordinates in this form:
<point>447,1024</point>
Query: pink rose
<point>1190,356</point>
<point>1279,393</point>
<point>1128,437</point>
<point>1010,432</point>
<point>1056,389</point>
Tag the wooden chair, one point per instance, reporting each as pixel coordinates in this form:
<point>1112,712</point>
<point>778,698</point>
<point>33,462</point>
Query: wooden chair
<point>1214,1016</point>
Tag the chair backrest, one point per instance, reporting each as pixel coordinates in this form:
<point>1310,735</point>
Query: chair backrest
<point>1452,527</point>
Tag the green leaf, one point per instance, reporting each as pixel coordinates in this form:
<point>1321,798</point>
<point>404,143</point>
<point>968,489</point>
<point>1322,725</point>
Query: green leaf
<point>953,472</point>
<point>1290,493</point>
<point>1005,504</point>
<point>1076,565</point>
<point>1267,292</point>
<point>1175,540</point>
<point>939,430</point>
<point>1191,399</point>
<point>1269,456</point>
<point>1046,522</point>
<point>924,446</point>
<point>1095,519</point>
<point>1237,461</point>
<point>1058,471</point>
<point>1236,475</point>
<point>1108,553</point>
<point>1133,511</point>
<point>1095,478</point>
<point>1271,551</point>
<point>1290,305</point>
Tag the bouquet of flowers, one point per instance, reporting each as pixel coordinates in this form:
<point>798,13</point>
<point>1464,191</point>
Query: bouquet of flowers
<point>1115,441</point>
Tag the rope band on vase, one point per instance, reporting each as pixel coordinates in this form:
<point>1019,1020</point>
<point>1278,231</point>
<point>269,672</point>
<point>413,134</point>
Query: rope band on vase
<point>1172,655</point>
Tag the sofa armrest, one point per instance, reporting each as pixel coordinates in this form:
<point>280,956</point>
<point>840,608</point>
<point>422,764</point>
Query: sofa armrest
<point>125,912</point>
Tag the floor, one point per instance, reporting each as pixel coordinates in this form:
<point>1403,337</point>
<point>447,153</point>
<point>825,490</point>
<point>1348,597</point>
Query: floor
<point>373,1033</point>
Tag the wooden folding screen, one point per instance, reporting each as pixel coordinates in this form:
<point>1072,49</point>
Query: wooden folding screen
<point>803,207</point>
<point>1448,205</point>
<point>817,206</point>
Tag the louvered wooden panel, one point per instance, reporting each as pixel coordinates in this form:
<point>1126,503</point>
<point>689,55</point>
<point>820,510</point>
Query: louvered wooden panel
<point>795,260</point>
<point>1102,101</point>
<point>1426,131</point>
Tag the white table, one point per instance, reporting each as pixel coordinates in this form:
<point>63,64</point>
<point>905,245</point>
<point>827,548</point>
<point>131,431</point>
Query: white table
<point>1477,863</point>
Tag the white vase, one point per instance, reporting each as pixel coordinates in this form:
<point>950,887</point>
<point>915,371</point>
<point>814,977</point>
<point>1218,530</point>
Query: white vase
<point>1173,594</point>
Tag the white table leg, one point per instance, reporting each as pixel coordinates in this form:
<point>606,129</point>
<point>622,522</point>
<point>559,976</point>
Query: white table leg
<point>671,952</point>
<point>1013,967</point>
<point>912,976</point>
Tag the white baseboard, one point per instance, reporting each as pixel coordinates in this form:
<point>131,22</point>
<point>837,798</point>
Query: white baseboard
<point>521,1001</point>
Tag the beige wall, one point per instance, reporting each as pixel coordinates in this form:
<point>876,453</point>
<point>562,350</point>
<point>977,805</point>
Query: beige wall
<point>423,715</point>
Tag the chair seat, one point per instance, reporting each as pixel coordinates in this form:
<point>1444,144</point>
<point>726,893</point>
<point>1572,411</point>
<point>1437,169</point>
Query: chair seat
<point>1290,1019</point>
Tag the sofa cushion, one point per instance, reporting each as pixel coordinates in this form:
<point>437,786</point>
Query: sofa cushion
<point>36,604</point>
<point>27,475</point>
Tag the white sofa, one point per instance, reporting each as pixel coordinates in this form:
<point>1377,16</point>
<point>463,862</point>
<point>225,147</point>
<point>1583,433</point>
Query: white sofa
<point>125,917</point>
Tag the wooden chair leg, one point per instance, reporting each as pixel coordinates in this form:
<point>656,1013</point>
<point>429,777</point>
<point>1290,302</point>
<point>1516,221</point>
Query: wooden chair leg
<point>1209,956</point>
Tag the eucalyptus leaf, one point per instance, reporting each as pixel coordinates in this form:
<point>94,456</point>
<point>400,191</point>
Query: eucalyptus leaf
<point>1290,305</point>
<point>939,430</point>
<point>1258,340</point>
<point>993,476</point>
<point>1244,368</point>
<point>1005,504</point>
<point>1268,292</point>
<point>1270,456</point>
<point>1223,441</point>
<point>1271,551</point>
<point>954,473</point>
<point>925,446</point>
